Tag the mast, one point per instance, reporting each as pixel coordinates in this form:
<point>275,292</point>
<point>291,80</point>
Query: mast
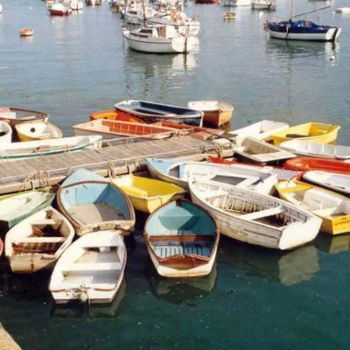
<point>292,10</point>
<point>144,13</point>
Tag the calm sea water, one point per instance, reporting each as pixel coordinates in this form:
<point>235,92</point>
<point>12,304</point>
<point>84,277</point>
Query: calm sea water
<point>254,298</point>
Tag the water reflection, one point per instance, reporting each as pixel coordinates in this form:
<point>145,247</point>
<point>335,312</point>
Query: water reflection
<point>287,268</point>
<point>333,244</point>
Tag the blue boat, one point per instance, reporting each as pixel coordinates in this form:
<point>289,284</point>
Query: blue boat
<point>182,239</point>
<point>92,203</point>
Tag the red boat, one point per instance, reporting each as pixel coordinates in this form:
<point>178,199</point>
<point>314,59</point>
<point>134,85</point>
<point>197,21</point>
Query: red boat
<point>307,164</point>
<point>114,115</point>
<point>59,9</point>
<point>1,247</point>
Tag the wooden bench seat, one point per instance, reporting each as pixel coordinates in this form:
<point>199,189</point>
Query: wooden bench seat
<point>93,267</point>
<point>263,213</point>
<point>40,240</point>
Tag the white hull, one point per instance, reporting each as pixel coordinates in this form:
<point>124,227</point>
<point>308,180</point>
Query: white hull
<point>5,134</point>
<point>331,35</point>
<point>261,6</point>
<point>76,5</point>
<point>344,10</point>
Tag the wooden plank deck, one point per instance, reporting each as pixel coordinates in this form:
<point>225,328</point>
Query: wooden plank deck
<point>119,159</point>
<point>6,341</point>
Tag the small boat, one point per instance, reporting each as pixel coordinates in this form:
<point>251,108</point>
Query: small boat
<point>37,130</point>
<point>38,241</point>
<point>262,130</point>
<point>1,8</point>
<point>269,5</point>
<point>112,114</point>
<point>260,151</point>
<point>206,1</point>
<point>5,134</point>
<point>17,207</point>
<point>253,217</point>
<point>146,194</point>
<point>229,15</point>
<point>90,270</point>
<point>215,113</point>
<point>152,112</point>
<point>315,132</point>
<point>344,10</point>
<point>307,164</point>
<point>24,32</point>
<point>160,39</point>
<point>318,150</point>
<point>331,207</point>
<point>41,148</point>
<point>93,2</point>
<point>179,172</point>
<point>182,240</point>
<point>239,3</point>
<point>333,181</point>
<point>91,203</point>
<point>15,116</point>
<point>113,128</point>
<point>58,9</point>
<point>76,5</point>
<point>1,243</point>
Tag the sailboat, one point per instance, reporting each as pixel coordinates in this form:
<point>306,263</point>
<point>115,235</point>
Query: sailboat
<point>302,29</point>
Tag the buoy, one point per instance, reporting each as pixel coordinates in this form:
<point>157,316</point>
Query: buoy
<point>229,15</point>
<point>332,58</point>
<point>26,32</point>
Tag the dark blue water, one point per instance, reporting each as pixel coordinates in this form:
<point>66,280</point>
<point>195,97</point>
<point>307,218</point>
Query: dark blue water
<point>254,298</point>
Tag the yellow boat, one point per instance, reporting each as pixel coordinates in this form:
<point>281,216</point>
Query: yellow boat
<point>331,207</point>
<point>147,194</point>
<point>37,130</point>
<point>313,131</point>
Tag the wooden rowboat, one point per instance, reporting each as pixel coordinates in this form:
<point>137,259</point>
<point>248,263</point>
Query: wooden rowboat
<point>215,113</point>
<point>315,132</point>
<point>182,240</point>
<point>14,115</point>
<point>313,149</point>
<point>5,134</point>
<point>112,114</point>
<point>25,32</point>
<point>91,269</point>
<point>253,217</point>
<point>333,181</point>
<point>146,194</point>
<point>37,130</point>
<point>331,207</point>
<point>38,241</point>
<point>307,164</point>
<point>92,203</point>
<point>152,112</point>
<point>254,150</point>
<point>113,128</point>
<point>16,207</point>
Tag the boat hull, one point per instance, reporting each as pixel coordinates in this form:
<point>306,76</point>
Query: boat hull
<point>331,35</point>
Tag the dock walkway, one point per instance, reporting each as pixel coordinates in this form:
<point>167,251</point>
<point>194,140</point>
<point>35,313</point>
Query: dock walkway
<point>6,341</point>
<point>40,172</point>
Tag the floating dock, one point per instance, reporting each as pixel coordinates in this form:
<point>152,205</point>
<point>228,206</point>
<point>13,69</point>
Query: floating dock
<point>6,341</point>
<point>117,159</point>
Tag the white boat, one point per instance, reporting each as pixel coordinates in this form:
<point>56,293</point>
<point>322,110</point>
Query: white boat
<point>318,150</point>
<point>40,148</point>
<point>76,5</point>
<point>333,181</point>
<point>344,10</point>
<point>91,269</point>
<point>240,3</point>
<point>264,5</point>
<point>253,217</point>
<point>59,9</point>
<point>5,134</point>
<point>93,2</point>
<point>1,8</point>
<point>260,151</point>
<point>179,172</point>
<point>38,241</point>
<point>160,39</point>
<point>37,130</point>
<point>262,130</point>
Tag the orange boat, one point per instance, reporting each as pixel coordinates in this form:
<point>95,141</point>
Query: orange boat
<point>112,114</point>
<point>113,129</point>
<point>307,164</point>
<point>26,32</point>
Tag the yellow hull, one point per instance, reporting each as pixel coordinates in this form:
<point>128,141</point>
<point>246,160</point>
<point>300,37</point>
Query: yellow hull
<point>146,194</point>
<point>37,131</point>
<point>314,132</point>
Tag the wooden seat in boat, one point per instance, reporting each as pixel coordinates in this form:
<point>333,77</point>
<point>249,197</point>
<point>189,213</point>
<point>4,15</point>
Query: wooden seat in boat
<point>264,213</point>
<point>93,267</point>
<point>41,240</point>
<point>46,222</point>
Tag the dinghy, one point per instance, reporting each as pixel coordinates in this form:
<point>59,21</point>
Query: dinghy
<point>178,171</point>
<point>112,114</point>
<point>306,164</point>
<point>331,207</point>
<point>32,131</point>
<point>16,207</point>
<point>91,203</point>
<point>269,5</point>
<point>113,128</point>
<point>147,194</point>
<point>91,269</point>
<point>315,132</point>
<point>14,116</point>
<point>152,112</point>
<point>58,9</point>
<point>38,241</point>
<point>253,217</point>
<point>215,113</point>
<point>5,134</point>
<point>343,10</point>
<point>182,240</point>
<point>333,181</point>
<point>254,150</point>
<point>313,149</point>
<point>261,130</point>
<point>41,148</point>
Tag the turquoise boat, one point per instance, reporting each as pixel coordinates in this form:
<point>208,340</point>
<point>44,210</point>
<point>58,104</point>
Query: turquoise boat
<point>91,203</point>
<point>182,239</point>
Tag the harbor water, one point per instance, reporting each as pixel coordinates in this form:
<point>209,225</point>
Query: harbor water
<point>254,297</point>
